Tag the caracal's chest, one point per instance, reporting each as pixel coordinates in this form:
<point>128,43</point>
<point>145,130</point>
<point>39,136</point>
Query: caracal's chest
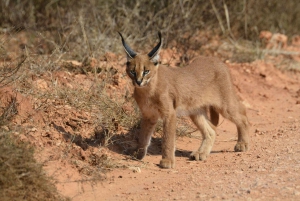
<point>150,105</point>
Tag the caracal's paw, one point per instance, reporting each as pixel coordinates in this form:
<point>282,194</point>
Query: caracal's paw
<point>196,155</point>
<point>241,147</point>
<point>167,163</point>
<point>138,153</point>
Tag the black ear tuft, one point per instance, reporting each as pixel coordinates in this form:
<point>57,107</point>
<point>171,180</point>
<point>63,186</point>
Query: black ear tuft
<point>153,53</point>
<point>130,53</point>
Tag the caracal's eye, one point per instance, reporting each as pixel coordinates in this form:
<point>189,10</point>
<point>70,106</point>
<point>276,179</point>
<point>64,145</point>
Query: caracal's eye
<point>132,72</point>
<point>146,72</point>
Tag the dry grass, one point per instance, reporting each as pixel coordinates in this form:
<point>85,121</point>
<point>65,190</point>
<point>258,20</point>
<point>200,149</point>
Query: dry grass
<point>8,112</point>
<point>82,29</point>
<point>8,70</point>
<point>21,177</point>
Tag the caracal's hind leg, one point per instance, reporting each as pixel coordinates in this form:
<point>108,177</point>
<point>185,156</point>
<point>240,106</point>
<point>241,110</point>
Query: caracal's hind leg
<point>208,135</point>
<point>238,116</point>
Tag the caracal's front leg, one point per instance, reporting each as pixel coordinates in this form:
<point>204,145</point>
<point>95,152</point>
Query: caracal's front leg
<point>147,129</point>
<point>168,141</point>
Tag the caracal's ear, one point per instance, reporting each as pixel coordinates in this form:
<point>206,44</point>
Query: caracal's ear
<point>154,54</point>
<point>130,53</point>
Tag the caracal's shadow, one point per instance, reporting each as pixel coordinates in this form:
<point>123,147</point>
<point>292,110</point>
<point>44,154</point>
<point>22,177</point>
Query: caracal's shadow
<point>120,143</point>
<point>126,143</point>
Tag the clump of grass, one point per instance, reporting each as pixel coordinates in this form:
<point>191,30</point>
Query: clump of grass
<point>8,70</point>
<point>21,177</point>
<point>8,112</point>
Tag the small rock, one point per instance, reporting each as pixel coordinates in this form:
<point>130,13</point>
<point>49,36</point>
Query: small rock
<point>41,84</point>
<point>135,169</point>
<point>22,137</point>
<point>5,128</point>
<point>33,129</point>
<point>297,193</point>
<point>45,134</point>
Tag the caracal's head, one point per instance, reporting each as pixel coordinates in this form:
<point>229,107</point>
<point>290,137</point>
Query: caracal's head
<point>142,68</point>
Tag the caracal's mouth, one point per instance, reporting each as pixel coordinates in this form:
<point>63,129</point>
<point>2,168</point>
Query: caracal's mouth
<point>140,86</point>
<point>143,84</point>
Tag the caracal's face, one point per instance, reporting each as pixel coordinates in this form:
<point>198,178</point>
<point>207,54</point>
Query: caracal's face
<point>141,70</point>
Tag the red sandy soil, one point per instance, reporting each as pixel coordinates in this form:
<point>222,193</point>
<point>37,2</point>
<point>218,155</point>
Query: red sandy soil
<point>270,170</point>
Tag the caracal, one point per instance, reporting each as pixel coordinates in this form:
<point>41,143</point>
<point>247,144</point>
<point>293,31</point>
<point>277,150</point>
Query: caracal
<point>202,90</point>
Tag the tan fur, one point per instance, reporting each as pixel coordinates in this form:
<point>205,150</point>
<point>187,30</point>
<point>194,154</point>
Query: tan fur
<point>166,92</point>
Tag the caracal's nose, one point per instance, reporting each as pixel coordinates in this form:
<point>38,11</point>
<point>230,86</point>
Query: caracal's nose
<point>139,82</point>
